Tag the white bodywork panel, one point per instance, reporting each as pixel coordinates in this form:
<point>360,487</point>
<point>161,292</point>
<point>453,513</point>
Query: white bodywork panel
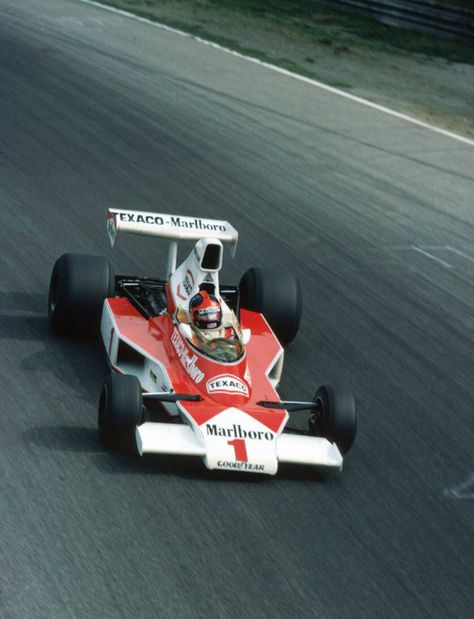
<point>168,438</point>
<point>232,440</point>
<point>181,440</point>
<point>150,372</point>
<point>187,279</point>
<point>174,227</point>
<point>276,369</point>
<point>233,437</point>
<point>313,450</point>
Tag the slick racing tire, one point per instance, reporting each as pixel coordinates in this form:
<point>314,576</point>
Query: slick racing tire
<point>275,294</point>
<point>78,286</point>
<point>120,411</point>
<point>335,416</point>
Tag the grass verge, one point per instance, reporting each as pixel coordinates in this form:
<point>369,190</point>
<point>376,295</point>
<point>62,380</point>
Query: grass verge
<point>301,18</point>
<point>428,77</point>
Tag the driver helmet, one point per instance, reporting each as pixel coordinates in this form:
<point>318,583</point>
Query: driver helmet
<point>205,310</point>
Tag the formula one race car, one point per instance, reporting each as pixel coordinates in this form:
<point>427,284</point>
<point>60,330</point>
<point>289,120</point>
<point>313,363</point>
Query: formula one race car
<point>194,365</point>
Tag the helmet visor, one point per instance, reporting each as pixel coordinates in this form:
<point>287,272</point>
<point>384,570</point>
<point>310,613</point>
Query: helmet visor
<point>208,318</point>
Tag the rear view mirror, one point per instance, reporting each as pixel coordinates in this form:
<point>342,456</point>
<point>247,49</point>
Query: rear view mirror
<point>185,330</point>
<point>246,334</point>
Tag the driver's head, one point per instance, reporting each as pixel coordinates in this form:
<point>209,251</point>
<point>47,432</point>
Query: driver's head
<point>205,310</point>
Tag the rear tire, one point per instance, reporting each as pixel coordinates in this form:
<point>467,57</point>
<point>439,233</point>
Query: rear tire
<point>275,294</point>
<point>335,416</point>
<point>78,286</point>
<point>120,412</point>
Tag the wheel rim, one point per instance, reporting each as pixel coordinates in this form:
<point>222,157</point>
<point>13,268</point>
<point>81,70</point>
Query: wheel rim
<point>53,294</point>
<point>315,420</point>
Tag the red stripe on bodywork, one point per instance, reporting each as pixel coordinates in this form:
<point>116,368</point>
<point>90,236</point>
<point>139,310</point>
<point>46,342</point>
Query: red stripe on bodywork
<point>153,337</point>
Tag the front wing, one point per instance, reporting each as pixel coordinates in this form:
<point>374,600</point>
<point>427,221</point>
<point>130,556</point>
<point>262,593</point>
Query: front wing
<point>180,439</point>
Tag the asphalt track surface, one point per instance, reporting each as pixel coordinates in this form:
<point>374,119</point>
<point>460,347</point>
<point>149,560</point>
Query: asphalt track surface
<point>376,217</point>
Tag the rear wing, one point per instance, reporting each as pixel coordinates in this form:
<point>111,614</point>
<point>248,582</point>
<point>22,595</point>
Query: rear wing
<point>173,227</point>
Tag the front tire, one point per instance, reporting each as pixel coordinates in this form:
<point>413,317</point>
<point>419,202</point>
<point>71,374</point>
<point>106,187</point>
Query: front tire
<point>335,416</point>
<point>120,412</point>
<point>275,294</point>
<point>78,286</point>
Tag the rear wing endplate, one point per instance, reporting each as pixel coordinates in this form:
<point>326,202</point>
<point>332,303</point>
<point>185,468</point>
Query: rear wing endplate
<point>173,227</point>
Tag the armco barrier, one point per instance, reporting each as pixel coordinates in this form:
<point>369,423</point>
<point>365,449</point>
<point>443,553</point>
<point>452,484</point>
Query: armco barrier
<point>421,14</point>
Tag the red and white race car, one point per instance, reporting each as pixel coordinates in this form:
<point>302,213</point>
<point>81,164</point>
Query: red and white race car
<point>195,364</point>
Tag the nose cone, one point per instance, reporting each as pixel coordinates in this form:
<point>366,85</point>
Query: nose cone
<point>228,390</point>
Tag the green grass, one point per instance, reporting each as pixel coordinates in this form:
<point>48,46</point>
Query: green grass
<point>339,84</point>
<point>457,4</point>
<point>302,18</point>
<point>349,28</point>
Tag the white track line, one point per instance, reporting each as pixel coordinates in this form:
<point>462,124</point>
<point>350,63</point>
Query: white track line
<point>273,67</point>
<point>425,253</point>
<point>460,253</point>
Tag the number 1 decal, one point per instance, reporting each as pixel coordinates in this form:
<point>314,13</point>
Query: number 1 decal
<point>240,449</point>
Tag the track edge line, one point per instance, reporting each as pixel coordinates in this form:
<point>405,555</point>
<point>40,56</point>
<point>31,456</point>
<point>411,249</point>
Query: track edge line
<point>286,72</point>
